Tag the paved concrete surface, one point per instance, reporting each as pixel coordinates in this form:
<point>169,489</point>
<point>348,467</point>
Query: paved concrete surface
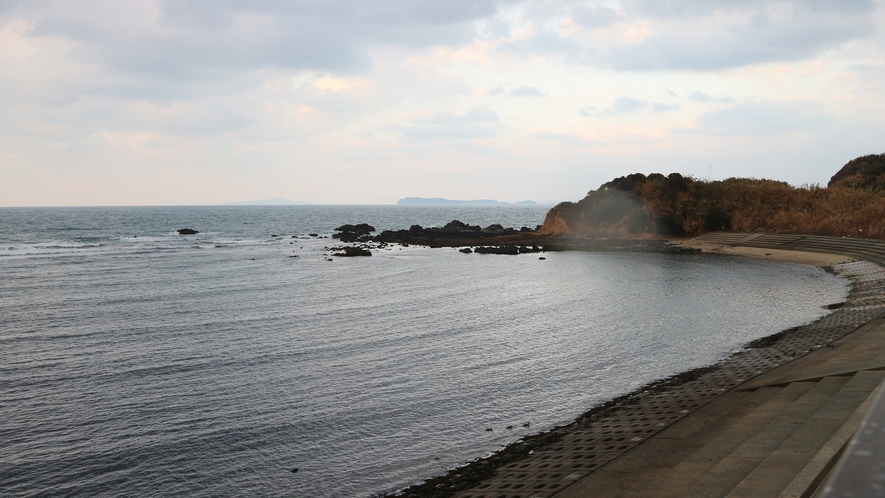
<point>770,421</point>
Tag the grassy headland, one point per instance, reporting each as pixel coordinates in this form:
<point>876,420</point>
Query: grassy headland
<point>852,204</point>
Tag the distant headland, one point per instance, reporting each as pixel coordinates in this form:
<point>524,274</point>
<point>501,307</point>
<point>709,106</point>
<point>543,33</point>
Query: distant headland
<point>439,201</point>
<point>851,205</point>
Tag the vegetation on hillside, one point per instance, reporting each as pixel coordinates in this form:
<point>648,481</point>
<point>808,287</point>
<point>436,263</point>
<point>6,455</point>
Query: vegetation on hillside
<point>853,204</point>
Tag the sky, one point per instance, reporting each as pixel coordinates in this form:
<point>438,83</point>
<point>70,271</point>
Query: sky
<point>148,102</point>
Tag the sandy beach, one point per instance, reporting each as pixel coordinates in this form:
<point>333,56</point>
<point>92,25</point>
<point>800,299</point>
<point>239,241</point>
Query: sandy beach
<point>803,257</point>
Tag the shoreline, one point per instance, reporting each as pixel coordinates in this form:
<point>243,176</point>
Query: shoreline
<point>473,477</point>
<point>803,257</point>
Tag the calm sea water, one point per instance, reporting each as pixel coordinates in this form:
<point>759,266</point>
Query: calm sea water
<point>134,361</point>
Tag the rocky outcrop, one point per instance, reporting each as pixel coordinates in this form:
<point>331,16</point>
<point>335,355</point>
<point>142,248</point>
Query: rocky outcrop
<point>187,231</point>
<point>354,233</point>
<point>455,234</point>
<point>350,251</point>
<point>555,224</point>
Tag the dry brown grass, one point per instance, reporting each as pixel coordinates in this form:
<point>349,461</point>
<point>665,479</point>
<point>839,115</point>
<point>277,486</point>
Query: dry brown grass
<point>835,211</point>
<point>675,205</point>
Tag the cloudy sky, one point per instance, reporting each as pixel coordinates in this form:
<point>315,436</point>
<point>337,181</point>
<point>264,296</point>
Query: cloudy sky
<point>145,102</point>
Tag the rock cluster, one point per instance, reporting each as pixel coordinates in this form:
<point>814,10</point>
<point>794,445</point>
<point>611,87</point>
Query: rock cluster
<point>453,234</point>
<point>354,233</point>
<point>495,239</point>
<point>507,250</point>
<point>348,251</point>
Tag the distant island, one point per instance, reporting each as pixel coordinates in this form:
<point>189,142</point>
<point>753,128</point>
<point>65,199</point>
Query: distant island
<point>271,202</point>
<point>439,201</point>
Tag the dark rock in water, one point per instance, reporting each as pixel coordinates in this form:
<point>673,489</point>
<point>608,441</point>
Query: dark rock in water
<point>362,228</point>
<point>542,257</point>
<point>313,234</point>
<point>489,429</point>
<point>674,249</point>
<point>187,231</point>
<point>497,250</point>
<point>274,235</point>
<point>354,233</point>
<point>465,250</point>
<point>352,251</point>
<point>453,234</point>
<point>293,471</point>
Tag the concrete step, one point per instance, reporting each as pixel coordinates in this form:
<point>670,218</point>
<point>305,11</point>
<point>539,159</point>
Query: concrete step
<point>758,435</point>
<point>640,473</point>
<point>726,238</point>
<point>798,465</point>
<point>772,441</point>
<point>863,248</point>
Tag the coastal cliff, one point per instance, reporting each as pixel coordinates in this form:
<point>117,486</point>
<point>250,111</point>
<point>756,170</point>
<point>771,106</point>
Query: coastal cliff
<point>640,206</point>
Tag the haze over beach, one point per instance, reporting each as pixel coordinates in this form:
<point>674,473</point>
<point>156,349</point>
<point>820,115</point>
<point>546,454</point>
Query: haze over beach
<point>180,103</point>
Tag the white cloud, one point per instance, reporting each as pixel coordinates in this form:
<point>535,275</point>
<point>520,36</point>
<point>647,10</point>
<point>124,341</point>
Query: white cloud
<point>700,96</point>
<point>763,118</point>
<point>479,114</point>
<point>526,91</point>
<point>695,35</point>
<point>475,123</point>
<point>659,107</point>
<point>110,102</point>
<point>623,105</point>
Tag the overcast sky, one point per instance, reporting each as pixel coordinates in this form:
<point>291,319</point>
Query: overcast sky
<point>145,102</point>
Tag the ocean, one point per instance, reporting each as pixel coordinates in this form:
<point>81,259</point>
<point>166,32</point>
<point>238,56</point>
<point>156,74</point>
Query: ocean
<point>135,361</point>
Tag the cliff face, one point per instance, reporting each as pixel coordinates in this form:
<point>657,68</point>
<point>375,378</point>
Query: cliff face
<point>630,206</point>
<point>656,205</point>
<point>555,224</point>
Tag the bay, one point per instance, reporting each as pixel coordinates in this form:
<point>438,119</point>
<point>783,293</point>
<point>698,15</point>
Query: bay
<point>136,361</point>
